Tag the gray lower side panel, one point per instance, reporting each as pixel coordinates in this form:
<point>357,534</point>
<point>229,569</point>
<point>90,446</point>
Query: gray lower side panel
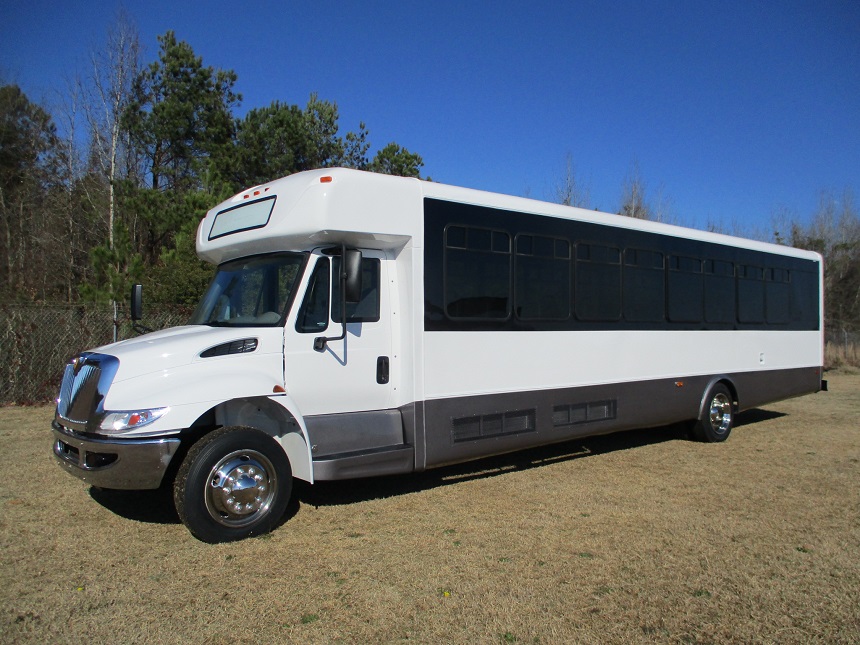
<point>392,460</point>
<point>334,434</point>
<point>760,388</point>
<point>464,428</point>
<point>428,434</point>
<point>361,444</point>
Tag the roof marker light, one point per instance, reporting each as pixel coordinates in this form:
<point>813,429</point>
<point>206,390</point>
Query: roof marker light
<point>325,180</point>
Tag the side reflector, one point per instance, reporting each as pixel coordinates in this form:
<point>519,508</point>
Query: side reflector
<point>278,389</point>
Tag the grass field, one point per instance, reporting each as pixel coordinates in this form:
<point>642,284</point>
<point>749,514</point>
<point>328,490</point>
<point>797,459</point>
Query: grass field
<point>636,537</point>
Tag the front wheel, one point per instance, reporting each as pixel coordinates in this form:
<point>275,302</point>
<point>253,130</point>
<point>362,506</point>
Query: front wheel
<point>717,418</point>
<point>234,483</point>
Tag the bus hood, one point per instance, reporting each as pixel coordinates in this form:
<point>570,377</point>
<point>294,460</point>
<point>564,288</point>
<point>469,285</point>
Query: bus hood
<point>169,349</point>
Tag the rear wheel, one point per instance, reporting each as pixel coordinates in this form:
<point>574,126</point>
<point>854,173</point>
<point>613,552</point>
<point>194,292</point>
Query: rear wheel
<point>717,418</point>
<point>234,483</point>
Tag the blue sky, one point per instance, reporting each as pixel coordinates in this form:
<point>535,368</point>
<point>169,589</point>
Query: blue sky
<point>732,110</point>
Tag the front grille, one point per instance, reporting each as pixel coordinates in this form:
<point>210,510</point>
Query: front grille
<point>82,393</point>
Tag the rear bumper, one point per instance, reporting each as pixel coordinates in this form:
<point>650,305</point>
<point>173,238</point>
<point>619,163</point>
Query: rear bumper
<point>136,464</point>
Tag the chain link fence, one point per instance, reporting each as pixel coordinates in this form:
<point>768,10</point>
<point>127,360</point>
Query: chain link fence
<point>842,344</point>
<point>36,341</point>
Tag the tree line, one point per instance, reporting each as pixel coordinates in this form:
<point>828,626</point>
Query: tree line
<point>115,194</point>
<point>84,214</point>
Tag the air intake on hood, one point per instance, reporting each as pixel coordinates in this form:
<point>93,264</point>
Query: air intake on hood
<point>242,346</point>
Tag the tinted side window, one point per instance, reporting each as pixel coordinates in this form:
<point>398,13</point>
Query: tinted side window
<point>804,299</point>
<point>477,280</point>
<point>750,294</point>
<point>719,292</point>
<point>685,289</point>
<point>542,278</point>
<point>598,282</point>
<point>777,296</point>
<point>644,286</point>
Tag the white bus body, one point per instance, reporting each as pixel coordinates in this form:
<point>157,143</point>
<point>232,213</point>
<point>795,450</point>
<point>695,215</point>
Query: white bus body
<point>484,324</point>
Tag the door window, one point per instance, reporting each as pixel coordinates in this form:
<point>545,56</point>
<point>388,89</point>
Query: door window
<point>313,315</point>
<point>367,308</point>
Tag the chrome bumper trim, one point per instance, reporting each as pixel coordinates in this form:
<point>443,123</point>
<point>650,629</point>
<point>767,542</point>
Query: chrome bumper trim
<point>131,464</point>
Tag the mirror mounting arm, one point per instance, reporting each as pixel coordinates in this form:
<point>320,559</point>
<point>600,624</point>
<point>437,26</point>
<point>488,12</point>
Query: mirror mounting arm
<point>350,281</point>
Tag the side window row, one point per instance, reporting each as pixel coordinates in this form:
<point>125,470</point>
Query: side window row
<point>490,276</point>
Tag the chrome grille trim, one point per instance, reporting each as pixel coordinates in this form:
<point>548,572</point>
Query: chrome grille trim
<point>84,391</point>
<point>66,390</point>
<point>86,381</point>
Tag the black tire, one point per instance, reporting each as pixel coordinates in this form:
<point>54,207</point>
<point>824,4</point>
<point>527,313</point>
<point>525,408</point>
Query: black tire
<point>718,416</point>
<point>232,484</point>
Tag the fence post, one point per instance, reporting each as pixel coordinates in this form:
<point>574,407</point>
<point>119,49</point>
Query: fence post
<point>115,321</point>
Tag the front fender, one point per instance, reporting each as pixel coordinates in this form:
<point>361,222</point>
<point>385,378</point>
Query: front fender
<point>278,416</point>
<point>296,444</point>
<point>189,391</point>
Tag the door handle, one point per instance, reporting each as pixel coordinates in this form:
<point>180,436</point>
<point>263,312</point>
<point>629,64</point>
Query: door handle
<point>382,370</point>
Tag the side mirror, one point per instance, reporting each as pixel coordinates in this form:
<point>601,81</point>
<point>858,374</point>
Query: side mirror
<point>352,267</point>
<point>350,290</point>
<point>136,309</point>
<point>136,302</point>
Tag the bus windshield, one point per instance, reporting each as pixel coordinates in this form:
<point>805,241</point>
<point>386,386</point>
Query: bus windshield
<point>250,292</point>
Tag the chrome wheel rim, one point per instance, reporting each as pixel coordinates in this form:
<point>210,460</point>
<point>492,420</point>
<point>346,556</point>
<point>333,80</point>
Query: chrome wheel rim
<point>240,488</point>
<point>721,413</point>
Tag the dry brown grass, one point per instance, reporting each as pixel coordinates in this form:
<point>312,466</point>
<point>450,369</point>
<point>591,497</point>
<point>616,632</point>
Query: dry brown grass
<point>639,537</point>
<point>845,356</point>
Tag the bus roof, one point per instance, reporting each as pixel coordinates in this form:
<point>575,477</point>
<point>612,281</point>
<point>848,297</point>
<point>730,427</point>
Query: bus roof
<point>339,205</point>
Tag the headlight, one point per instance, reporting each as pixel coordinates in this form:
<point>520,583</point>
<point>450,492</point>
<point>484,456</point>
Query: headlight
<point>124,421</point>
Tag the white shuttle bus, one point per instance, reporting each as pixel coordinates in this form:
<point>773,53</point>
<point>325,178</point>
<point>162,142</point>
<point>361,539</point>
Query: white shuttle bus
<point>362,324</point>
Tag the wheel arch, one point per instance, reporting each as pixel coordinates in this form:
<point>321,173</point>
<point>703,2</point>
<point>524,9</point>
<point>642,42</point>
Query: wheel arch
<point>721,379</point>
<point>276,416</point>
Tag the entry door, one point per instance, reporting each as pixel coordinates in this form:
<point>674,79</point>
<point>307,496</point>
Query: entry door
<point>350,374</point>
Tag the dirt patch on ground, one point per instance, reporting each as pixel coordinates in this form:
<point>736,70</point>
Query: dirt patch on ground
<point>636,537</point>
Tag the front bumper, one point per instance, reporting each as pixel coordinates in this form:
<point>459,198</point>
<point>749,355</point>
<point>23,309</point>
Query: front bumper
<point>130,464</point>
